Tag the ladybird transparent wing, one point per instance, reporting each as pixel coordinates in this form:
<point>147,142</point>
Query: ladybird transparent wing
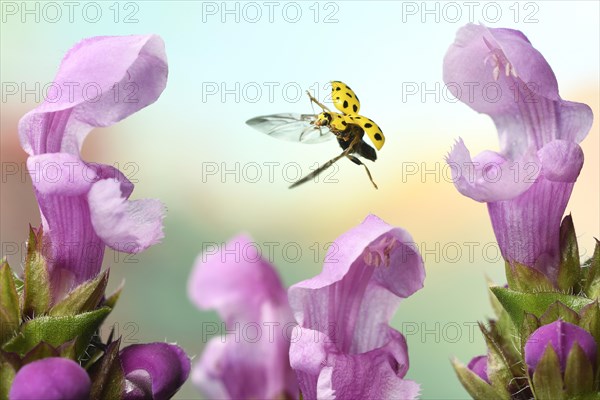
<point>291,127</point>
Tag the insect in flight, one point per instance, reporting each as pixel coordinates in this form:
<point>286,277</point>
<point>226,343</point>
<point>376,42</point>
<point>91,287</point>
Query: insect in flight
<point>347,126</point>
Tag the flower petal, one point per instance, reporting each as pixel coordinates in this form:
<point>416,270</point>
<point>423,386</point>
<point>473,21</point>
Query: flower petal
<point>51,378</point>
<point>235,280</point>
<point>561,336</point>
<point>373,251</point>
<point>100,81</point>
<point>346,311</point>
<point>60,173</point>
<point>252,360</point>
<point>498,72</point>
<point>130,226</point>
<point>479,366</point>
<point>561,161</point>
<point>165,365</point>
<point>490,177</point>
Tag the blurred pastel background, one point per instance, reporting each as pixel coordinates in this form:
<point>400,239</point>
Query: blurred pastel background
<point>385,50</point>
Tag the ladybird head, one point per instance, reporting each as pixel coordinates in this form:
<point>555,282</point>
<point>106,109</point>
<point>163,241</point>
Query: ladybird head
<point>323,119</point>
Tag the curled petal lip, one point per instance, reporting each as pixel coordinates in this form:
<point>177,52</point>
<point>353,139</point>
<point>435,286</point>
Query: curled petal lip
<point>165,365</point>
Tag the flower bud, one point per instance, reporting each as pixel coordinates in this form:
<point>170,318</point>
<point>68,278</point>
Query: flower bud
<point>561,336</point>
<point>51,378</point>
<point>478,365</point>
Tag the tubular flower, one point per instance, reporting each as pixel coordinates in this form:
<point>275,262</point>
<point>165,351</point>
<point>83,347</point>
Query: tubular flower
<point>343,347</point>
<point>528,183</point>
<point>84,206</point>
<point>251,361</point>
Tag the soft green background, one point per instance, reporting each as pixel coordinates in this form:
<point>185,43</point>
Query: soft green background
<point>377,50</point>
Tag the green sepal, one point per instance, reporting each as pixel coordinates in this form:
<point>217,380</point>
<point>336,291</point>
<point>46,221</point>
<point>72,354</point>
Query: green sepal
<point>37,281</point>
<point>526,279</point>
<point>9,365</point>
<point>579,373</point>
<point>530,324</point>
<point>473,384</point>
<point>68,350</point>
<point>496,306</point>
<point>590,321</point>
<point>10,312</point>
<point>83,298</point>
<point>569,269</point>
<point>108,379</point>
<point>547,378</point>
<point>517,303</point>
<point>558,310</point>
<point>111,300</point>
<point>592,281</point>
<point>40,351</point>
<point>58,330</point>
<point>498,368</point>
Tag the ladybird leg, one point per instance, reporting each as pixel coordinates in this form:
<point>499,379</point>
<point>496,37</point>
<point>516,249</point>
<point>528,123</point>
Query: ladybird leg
<point>317,102</point>
<point>321,168</point>
<point>357,161</point>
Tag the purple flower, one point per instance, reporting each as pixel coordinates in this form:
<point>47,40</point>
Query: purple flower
<point>343,346</point>
<point>561,336</point>
<point>251,361</point>
<point>528,183</point>
<point>153,370</point>
<point>479,366</point>
<point>84,206</point>
<point>51,378</point>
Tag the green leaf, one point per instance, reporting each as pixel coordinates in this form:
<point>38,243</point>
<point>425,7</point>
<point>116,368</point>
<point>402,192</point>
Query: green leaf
<point>527,279</point>
<point>547,378</point>
<point>108,380</point>
<point>477,387</point>
<point>517,303</point>
<point>37,281</point>
<point>558,310</point>
<point>592,282</point>
<point>84,297</point>
<point>57,330</point>
<point>496,306</point>
<point>10,313</point>
<point>569,268</point>
<point>579,375</point>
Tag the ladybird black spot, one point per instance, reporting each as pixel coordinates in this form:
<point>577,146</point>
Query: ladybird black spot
<point>354,107</point>
<point>377,136</point>
<point>339,116</point>
<point>345,104</point>
<point>338,88</point>
<point>344,123</point>
<point>357,117</point>
<point>349,95</point>
<point>368,125</point>
<point>337,98</point>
